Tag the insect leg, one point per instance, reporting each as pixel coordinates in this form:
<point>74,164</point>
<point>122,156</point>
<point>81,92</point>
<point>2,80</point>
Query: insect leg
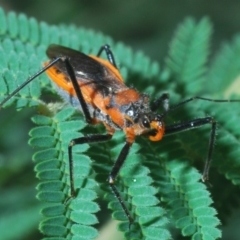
<point>72,76</point>
<point>162,100</point>
<point>77,89</point>
<point>113,174</point>
<point>176,128</point>
<point>199,98</point>
<point>109,54</point>
<point>77,141</point>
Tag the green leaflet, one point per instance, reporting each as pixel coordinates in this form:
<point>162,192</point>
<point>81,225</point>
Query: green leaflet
<point>225,69</point>
<point>189,217</point>
<point>52,135</point>
<point>135,187</point>
<point>187,199</point>
<point>188,54</point>
<point>157,182</point>
<point>53,171</point>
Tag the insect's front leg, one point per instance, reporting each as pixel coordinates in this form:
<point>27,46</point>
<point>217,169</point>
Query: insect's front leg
<point>196,123</point>
<point>163,100</point>
<point>109,54</point>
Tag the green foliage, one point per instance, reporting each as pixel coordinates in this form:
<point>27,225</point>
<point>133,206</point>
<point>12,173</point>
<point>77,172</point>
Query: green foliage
<point>225,66</point>
<point>137,190</point>
<point>53,136</point>
<point>159,181</point>
<point>188,54</point>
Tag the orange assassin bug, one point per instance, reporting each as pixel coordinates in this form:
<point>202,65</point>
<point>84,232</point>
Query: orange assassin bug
<point>95,87</point>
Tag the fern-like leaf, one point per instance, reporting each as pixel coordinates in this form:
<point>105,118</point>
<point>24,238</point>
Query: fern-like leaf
<point>225,69</point>
<point>188,202</point>
<point>155,175</point>
<point>188,55</point>
<point>52,169</point>
<point>22,58</point>
<point>134,183</point>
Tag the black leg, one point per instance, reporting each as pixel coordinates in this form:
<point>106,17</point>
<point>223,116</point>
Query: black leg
<point>77,141</point>
<point>162,100</point>
<point>176,128</point>
<point>173,108</point>
<point>194,124</point>
<point>205,174</point>
<point>77,89</point>
<point>96,138</point>
<point>113,174</point>
<point>72,77</point>
<point>109,54</point>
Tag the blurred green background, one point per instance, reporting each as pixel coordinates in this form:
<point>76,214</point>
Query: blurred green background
<point>143,25</point>
<point>146,25</point>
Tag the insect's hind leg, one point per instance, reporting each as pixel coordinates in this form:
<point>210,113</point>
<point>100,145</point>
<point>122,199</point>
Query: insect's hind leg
<point>78,141</point>
<point>109,54</point>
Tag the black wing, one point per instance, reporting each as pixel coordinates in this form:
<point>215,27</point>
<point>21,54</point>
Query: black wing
<point>84,66</point>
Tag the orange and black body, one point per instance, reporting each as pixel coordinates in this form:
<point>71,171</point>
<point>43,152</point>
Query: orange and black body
<point>108,99</point>
<point>95,87</point>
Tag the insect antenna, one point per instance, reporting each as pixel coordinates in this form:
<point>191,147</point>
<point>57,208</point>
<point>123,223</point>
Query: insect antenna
<point>29,80</point>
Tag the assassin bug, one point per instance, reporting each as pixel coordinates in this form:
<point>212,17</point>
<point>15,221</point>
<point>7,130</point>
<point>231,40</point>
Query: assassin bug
<point>96,87</point>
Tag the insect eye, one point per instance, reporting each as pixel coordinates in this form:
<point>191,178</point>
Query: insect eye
<point>145,123</point>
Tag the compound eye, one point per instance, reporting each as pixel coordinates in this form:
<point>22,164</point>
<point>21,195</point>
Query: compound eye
<point>146,123</point>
